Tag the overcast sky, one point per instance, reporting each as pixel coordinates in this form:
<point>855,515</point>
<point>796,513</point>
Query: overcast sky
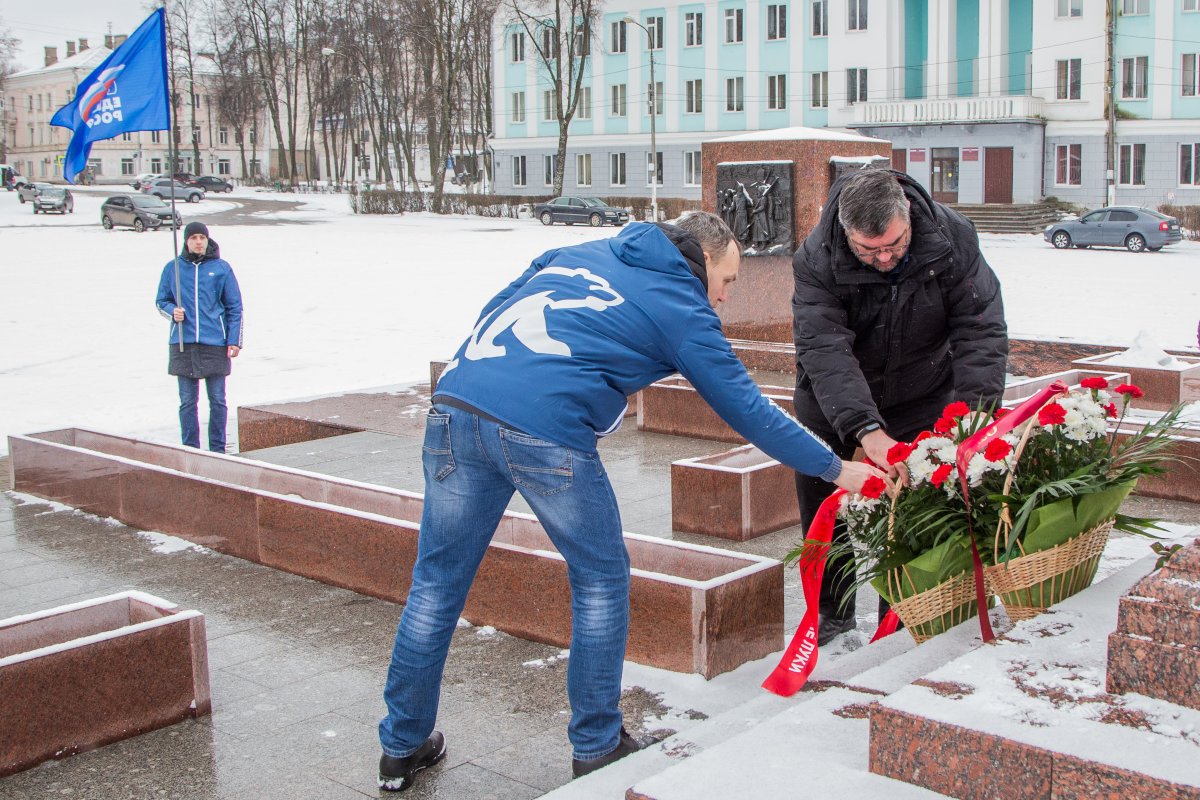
<point>50,23</point>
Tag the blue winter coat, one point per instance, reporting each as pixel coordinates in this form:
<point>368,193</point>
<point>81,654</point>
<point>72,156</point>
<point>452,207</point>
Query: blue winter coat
<point>211,299</point>
<point>558,351</point>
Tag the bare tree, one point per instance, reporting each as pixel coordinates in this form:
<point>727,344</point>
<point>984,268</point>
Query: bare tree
<point>237,91</point>
<point>8,50</point>
<point>183,62</point>
<point>560,32</point>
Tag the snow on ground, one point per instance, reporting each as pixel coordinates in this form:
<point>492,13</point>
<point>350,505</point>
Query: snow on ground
<point>342,302</point>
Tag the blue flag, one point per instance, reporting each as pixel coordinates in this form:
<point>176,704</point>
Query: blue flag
<point>127,92</point>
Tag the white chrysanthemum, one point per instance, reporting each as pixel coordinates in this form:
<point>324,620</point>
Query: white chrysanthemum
<point>920,470</point>
<point>947,453</point>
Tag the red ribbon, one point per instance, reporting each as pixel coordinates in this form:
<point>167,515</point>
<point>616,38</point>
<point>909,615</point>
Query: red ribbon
<point>975,443</point>
<point>800,657</point>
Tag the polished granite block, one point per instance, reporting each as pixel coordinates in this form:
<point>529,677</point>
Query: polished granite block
<point>690,601</point>
<point>80,676</point>
<point>673,406</point>
<point>259,429</point>
<point>1163,386</point>
<point>739,494</point>
<point>772,356</point>
<point>1019,389</point>
<point>1076,779</point>
<point>66,475</point>
<point>1164,671</point>
<point>1159,621</point>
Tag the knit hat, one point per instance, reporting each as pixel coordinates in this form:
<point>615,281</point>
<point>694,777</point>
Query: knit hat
<point>193,228</point>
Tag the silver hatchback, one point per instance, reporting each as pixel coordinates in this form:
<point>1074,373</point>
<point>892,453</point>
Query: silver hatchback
<point>1135,229</point>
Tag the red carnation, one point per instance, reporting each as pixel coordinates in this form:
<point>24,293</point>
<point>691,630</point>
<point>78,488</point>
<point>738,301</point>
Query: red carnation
<point>943,425</point>
<point>997,450</point>
<point>1095,382</point>
<point>1111,409</point>
<point>922,436</point>
<point>956,410</point>
<point>940,474</point>
<point>1052,414</point>
<point>873,488</point>
<point>1132,392</point>
<point>898,452</point>
<point>1001,413</point>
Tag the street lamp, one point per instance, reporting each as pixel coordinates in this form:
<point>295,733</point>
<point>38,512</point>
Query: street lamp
<point>653,166</point>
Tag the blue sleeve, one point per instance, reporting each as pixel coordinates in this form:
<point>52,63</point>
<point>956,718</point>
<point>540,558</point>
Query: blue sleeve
<point>508,291</point>
<point>166,293</point>
<point>708,362</point>
<point>231,299</point>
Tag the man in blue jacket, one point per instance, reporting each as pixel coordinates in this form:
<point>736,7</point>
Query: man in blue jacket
<point>520,407</point>
<point>207,314</point>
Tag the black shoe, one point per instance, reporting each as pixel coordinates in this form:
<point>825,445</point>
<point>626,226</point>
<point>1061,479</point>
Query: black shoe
<point>396,774</point>
<point>626,745</point>
<point>829,627</point>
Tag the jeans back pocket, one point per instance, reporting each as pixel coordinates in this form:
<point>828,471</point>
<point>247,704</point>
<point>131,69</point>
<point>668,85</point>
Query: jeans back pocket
<point>436,453</point>
<point>535,464</point>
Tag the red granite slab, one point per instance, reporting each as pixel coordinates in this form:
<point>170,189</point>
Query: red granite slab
<point>67,475</point>
<point>81,676</point>
<point>739,494</point>
<point>1163,386</point>
<point>1075,779</point>
<point>1168,672</point>
<point>673,406</point>
<point>259,429</point>
<point>1158,621</point>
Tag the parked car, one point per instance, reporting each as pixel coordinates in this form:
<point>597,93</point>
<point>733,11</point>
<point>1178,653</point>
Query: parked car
<point>29,192</point>
<point>210,183</point>
<point>54,198</point>
<point>183,177</point>
<point>1135,229</point>
<point>11,179</point>
<point>165,187</point>
<point>145,178</point>
<point>138,211</point>
<point>584,210</point>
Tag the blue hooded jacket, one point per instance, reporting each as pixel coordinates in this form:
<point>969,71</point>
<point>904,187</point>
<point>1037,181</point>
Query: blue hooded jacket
<point>211,299</point>
<point>556,353</point>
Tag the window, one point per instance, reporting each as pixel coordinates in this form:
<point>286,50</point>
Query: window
<point>1191,5</point>
<point>1069,8</point>
<point>1069,78</point>
<point>616,169</point>
<point>1188,75</point>
<point>856,15</point>
<point>519,170</point>
<point>583,109</point>
<point>549,165</point>
<point>516,47</point>
<point>548,105</point>
<point>776,92</point>
<point>733,25</point>
<point>776,22</point>
<point>820,18</point>
<point>693,29</point>
<point>195,134</point>
<point>256,166</point>
<point>223,135</point>
<point>518,106</point>
<point>582,43</point>
<point>156,165</point>
<point>549,42</point>
<point>654,168</point>
<point>617,41</point>
<point>1129,7</point>
<point>618,100</point>
<point>223,167</point>
<point>735,94</point>
<point>1133,77</point>
<point>195,101</point>
<point>691,168</point>
<point>126,166</point>
<point>1189,164</point>
<point>583,169</point>
<point>253,134</point>
<point>856,86</point>
<point>97,166</point>
<point>30,98</point>
<point>654,98</point>
<point>39,97</point>
<point>1132,165</point>
<point>155,138</point>
<point>820,90</point>
<point>1068,165</point>
<point>694,96</point>
<point>654,27</point>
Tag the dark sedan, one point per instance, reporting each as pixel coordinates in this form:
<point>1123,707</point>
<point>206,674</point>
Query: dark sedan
<point>210,183</point>
<point>584,210</point>
<point>54,198</point>
<point>1135,229</point>
<point>138,211</point>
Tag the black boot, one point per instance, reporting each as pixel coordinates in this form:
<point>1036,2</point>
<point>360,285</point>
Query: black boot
<point>396,774</point>
<point>626,745</point>
<point>830,626</point>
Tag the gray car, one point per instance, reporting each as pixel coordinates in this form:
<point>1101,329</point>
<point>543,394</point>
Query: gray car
<point>1135,229</point>
<point>30,191</point>
<point>54,198</point>
<point>584,210</point>
<point>163,188</point>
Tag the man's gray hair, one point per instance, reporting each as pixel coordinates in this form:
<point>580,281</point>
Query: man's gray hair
<point>709,229</point>
<point>870,201</point>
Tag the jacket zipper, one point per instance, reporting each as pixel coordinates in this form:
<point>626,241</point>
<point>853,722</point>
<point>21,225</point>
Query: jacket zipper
<point>196,299</point>
<point>891,313</point>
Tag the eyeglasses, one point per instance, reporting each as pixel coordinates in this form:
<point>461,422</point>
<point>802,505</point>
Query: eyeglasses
<point>894,249</point>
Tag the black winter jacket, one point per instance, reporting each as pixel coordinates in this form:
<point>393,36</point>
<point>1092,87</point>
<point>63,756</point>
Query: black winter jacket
<point>872,350</point>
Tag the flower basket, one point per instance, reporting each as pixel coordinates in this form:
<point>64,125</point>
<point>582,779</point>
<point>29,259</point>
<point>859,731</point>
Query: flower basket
<point>934,591</point>
<point>1030,583</point>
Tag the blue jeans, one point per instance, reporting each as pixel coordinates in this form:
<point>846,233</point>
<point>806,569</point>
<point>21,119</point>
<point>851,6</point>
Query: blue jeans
<point>472,467</point>
<point>218,412</point>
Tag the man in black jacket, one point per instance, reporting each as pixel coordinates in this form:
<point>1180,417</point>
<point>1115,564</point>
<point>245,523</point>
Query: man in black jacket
<point>896,314</point>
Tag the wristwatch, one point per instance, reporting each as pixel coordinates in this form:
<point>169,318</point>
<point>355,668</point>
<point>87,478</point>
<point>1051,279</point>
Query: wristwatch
<point>865,429</point>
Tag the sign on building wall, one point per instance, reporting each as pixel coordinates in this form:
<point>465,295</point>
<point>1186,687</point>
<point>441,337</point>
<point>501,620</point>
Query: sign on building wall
<point>970,154</point>
<point>916,154</point>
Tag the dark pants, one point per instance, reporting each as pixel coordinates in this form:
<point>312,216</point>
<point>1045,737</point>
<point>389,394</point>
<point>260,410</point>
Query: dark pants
<point>218,412</point>
<point>837,585</point>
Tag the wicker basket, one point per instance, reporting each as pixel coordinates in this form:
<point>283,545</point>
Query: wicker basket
<point>1029,584</point>
<point>936,610</point>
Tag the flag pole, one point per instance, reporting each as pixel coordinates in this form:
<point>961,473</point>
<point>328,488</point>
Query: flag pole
<point>169,53</point>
